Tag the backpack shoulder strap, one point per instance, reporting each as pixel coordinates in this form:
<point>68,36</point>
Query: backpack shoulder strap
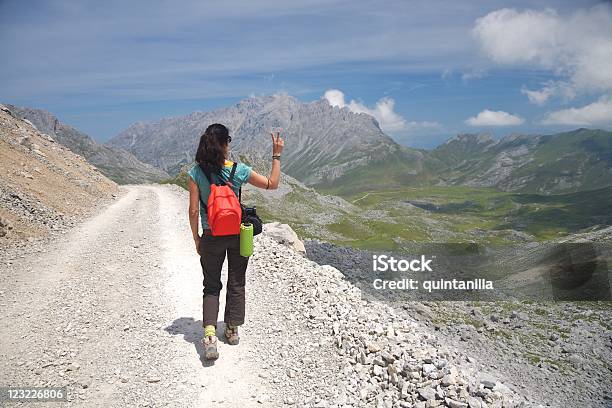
<point>231,177</point>
<point>220,181</point>
<point>208,176</point>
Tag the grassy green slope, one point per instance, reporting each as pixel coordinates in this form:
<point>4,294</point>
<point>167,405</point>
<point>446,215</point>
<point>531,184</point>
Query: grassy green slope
<point>567,162</point>
<point>582,156</point>
<point>486,211</point>
<point>403,167</point>
<point>547,216</point>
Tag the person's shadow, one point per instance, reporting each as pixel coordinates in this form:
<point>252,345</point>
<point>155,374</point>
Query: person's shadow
<point>193,332</point>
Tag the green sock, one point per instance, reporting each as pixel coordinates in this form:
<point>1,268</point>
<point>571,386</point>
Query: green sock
<point>210,331</point>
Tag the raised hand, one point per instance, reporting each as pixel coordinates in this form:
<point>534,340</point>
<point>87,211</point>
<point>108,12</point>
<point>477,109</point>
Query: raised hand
<point>277,143</point>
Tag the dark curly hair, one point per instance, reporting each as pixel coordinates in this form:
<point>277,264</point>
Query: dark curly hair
<point>210,154</point>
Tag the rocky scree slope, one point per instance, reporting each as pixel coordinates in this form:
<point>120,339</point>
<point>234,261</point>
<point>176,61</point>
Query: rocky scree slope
<point>43,185</point>
<point>381,356</point>
<point>565,345</point>
<point>117,164</point>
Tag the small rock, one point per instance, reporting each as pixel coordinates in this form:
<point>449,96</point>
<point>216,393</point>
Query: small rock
<point>427,393</point>
<point>428,368</point>
<point>474,402</point>
<point>362,357</point>
<point>379,362</point>
<point>373,348</point>
<point>455,404</point>
<point>38,152</point>
<point>448,380</point>
<point>388,357</point>
<point>488,382</point>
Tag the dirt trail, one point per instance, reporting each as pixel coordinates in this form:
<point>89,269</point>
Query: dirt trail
<point>113,311</point>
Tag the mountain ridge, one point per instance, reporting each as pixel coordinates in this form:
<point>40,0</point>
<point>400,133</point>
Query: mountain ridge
<point>341,151</point>
<point>117,164</point>
<point>328,140</point>
<point>44,186</point>
<point>551,163</point>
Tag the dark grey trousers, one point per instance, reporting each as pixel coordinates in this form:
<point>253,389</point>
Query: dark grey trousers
<point>212,255</point>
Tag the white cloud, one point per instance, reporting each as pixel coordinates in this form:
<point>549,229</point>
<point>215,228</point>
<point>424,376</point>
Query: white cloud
<point>548,90</point>
<point>335,97</point>
<point>388,119</point>
<point>539,97</point>
<point>577,48</point>
<point>494,118</point>
<point>596,113</point>
<point>510,37</point>
<point>383,112</point>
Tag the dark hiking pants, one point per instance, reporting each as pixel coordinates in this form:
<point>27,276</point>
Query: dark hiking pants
<point>213,250</point>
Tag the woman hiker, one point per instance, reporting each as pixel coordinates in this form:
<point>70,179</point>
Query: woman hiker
<point>212,155</point>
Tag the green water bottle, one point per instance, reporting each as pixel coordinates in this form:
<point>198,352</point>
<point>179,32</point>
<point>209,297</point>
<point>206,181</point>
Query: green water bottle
<point>246,239</point>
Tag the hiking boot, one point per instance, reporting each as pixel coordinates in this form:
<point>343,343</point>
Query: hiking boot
<point>231,334</point>
<point>210,348</point>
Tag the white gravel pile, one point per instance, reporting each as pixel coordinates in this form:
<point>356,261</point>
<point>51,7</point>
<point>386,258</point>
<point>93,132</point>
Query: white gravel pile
<point>360,353</point>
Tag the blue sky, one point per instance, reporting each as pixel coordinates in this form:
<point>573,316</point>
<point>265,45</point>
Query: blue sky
<point>426,69</point>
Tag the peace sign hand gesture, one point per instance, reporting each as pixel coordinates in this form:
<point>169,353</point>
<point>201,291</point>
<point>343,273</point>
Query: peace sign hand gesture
<point>277,143</point>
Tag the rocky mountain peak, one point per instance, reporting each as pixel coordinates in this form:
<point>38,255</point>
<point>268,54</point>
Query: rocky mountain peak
<point>477,138</point>
<point>322,141</point>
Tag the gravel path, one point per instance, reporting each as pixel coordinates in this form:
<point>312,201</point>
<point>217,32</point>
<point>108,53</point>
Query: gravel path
<point>113,311</point>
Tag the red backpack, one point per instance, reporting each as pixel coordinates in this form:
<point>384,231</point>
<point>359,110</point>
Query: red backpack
<point>223,209</point>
